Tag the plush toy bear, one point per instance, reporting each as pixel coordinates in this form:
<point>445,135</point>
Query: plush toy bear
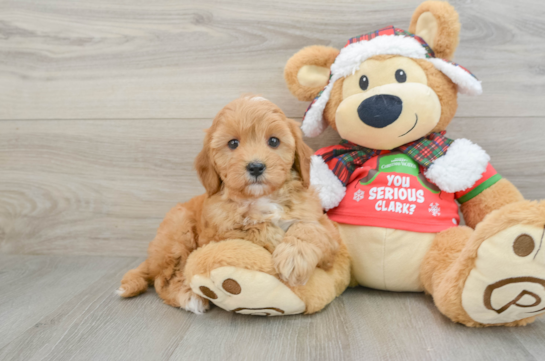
<point>394,181</point>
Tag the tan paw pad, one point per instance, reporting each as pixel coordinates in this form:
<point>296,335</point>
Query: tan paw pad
<point>508,281</point>
<point>247,292</point>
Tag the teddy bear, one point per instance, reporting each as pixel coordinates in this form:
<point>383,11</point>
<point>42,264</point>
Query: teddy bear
<point>395,183</point>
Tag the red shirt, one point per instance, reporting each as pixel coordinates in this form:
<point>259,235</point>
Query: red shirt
<point>391,191</point>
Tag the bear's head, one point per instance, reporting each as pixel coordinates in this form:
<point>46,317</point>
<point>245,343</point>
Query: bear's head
<point>386,88</point>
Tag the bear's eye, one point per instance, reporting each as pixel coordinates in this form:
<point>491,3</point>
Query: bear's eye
<point>364,82</point>
<point>401,76</point>
<point>233,143</point>
<point>273,142</point>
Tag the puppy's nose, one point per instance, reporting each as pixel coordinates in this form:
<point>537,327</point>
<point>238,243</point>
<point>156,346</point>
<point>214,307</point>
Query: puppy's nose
<point>255,168</point>
<point>381,110</point>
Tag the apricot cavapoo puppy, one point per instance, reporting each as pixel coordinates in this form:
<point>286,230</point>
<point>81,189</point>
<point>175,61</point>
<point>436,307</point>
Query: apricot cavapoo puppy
<point>255,168</point>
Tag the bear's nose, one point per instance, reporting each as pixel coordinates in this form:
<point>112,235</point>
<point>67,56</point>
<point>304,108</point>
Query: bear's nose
<point>381,110</point>
<point>255,168</point>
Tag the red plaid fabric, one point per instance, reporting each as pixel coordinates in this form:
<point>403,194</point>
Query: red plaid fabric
<point>391,30</point>
<point>343,159</point>
<point>426,150</point>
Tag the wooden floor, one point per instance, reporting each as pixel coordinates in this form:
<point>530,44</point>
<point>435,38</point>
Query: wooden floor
<point>102,106</point>
<point>63,308</point>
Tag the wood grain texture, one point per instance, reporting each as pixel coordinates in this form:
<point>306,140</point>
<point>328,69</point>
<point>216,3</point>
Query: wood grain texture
<point>102,187</point>
<point>33,287</point>
<point>93,187</point>
<point>57,308</point>
<point>61,59</point>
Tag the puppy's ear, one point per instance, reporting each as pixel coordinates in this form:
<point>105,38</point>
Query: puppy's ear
<point>303,153</point>
<point>437,23</point>
<point>208,175</point>
<point>307,72</point>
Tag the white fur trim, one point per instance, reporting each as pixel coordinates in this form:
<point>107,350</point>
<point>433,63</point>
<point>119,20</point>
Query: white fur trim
<point>314,122</point>
<point>467,84</point>
<point>350,58</point>
<point>330,189</point>
<point>459,169</point>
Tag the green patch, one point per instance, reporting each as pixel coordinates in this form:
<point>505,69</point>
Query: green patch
<point>480,188</point>
<point>398,163</point>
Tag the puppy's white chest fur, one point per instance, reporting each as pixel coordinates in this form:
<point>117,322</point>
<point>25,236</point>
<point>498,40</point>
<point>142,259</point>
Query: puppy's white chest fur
<point>265,209</point>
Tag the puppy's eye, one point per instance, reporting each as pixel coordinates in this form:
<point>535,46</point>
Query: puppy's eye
<point>233,143</point>
<point>364,82</point>
<point>274,142</point>
<point>401,76</point>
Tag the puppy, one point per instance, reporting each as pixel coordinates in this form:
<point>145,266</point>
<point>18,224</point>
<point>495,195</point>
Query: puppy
<point>255,168</point>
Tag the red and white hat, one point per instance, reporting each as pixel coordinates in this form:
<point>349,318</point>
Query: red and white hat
<point>386,41</point>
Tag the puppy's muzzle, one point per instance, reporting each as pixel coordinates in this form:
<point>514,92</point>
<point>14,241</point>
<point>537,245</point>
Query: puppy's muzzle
<point>380,110</point>
<point>255,168</point>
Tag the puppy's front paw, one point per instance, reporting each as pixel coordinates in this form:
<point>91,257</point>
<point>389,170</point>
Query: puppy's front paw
<point>295,260</point>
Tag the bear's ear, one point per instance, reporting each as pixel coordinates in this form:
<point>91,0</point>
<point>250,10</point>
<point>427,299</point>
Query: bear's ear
<point>437,23</point>
<point>307,72</point>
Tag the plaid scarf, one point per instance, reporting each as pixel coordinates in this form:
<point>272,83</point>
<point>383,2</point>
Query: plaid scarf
<point>347,156</point>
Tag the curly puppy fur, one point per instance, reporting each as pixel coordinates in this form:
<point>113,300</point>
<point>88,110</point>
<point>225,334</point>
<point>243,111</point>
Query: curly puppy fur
<point>275,210</point>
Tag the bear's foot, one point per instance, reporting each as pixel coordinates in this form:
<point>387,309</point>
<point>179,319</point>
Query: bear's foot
<point>507,283</point>
<point>493,275</point>
<point>248,292</point>
<point>239,276</point>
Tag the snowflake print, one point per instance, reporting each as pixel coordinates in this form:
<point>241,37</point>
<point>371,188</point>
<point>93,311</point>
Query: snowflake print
<point>434,209</point>
<point>358,196</point>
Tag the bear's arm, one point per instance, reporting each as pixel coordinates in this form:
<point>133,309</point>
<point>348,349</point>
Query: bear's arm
<point>498,195</point>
